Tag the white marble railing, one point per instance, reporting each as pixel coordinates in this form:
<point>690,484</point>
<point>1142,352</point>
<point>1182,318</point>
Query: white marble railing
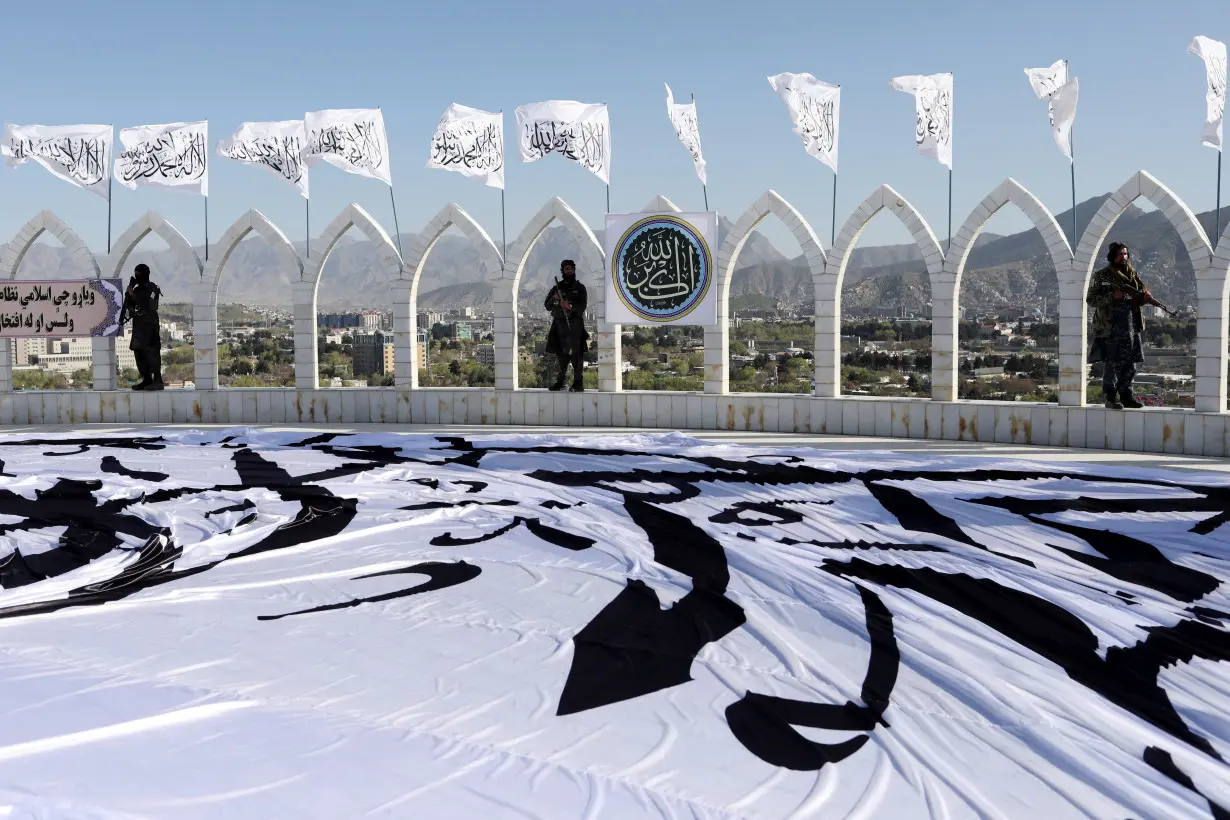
<point>1074,267</point>
<point>1155,431</point>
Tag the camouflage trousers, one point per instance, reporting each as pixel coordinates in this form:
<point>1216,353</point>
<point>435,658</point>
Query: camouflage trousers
<point>1121,351</point>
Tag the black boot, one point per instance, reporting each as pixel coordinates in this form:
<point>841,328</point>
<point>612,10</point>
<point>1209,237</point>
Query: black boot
<point>578,388</point>
<point>156,384</point>
<point>558,386</point>
<point>1112,403</point>
<point>1128,400</point>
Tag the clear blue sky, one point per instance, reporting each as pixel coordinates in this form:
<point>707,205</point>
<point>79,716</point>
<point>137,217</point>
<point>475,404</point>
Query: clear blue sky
<point>1142,98</point>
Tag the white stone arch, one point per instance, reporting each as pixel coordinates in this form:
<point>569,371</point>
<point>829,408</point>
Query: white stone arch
<point>1074,283</point>
<point>150,222</point>
<point>205,309</point>
<point>946,287</point>
<point>406,297</point>
<point>717,339</point>
<point>591,272</point>
<point>10,260</point>
<point>304,293</point>
<point>828,297</point>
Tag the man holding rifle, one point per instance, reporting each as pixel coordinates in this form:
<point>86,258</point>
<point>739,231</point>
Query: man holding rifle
<point>141,306</point>
<point>567,338</point>
<point>1116,294</point>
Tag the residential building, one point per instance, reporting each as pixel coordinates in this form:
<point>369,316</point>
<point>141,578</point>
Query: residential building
<point>332,320</point>
<point>485,354</point>
<point>373,353</point>
<point>426,319</point>
<point>371,320</point>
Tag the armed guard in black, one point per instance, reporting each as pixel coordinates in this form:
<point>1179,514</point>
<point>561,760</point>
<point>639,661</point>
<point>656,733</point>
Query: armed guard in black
<point>141,306</point>
<point>567,339</point>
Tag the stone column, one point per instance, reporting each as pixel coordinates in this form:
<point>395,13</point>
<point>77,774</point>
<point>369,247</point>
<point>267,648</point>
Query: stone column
<point>1211,331</point>
<point>205,336</point>
<point>307,366</point>
<point>104,362</point>
<point>405,341</point>
<point>944,357</point>
<point>827,361</point>
<point>506,362</point>
<point>1072,339</point>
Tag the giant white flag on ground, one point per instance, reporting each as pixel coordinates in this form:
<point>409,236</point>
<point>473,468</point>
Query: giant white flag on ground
<point>933,113</point>
<point>687,128</point>
<point>1213,52</point>
<point>275,146</point>
<point>661,268</point>
<point>352,139</point>
<point>375,623</point>
<point>1061,94</point>
<point>470,142</point>
<point>579,131</point>
<point>171,155</point>
<point>815,110</point>
<point>80,154</point>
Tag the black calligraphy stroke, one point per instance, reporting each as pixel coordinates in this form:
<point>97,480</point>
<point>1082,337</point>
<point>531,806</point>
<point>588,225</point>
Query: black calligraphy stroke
<point>440,575</point>
<point>634,647</point>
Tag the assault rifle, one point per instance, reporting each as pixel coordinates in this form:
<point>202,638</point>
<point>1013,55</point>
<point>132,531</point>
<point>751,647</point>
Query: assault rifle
<point>558,295</point>
<point>1145,298</point>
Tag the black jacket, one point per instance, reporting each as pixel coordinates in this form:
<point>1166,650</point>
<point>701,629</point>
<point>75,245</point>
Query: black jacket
<point>141,305</point>
<point>567,334</point>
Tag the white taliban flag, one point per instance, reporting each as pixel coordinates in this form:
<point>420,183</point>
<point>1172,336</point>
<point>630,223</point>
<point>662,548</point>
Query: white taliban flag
<point>933,113</point>
<point>579,131</point>
<point>352,139</point>
<point>470,142</point>
<point>1213,52</point>
<point>275,146</point>
<point>1052,84</point>
<point>171,155</point>
<point>80,154</point>
<point>815,110</point>
<point>687,128</point>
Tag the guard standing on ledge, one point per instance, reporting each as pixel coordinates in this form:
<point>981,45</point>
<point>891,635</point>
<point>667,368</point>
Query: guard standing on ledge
<point>1116,293</point>
<point>567,337</point>
<point>141,305</point>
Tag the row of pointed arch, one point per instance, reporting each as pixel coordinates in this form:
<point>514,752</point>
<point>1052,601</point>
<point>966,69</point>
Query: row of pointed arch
<point>1211,261</point>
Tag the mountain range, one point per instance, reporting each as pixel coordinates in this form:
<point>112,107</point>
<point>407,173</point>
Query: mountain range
<point>1002,270</point>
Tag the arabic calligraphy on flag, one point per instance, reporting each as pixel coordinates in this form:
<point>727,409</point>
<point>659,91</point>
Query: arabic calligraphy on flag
<point>687,128</point>
<point>1061,95</point>
<point>470,142</point>
<point>172,155</point>
<point>815,110</point>
<point>579,131</point>
<point>80,154</point>
<point>81,307</point>
<point>1213,52</point>
<point>352,139</point>
<point>932,113</point>
<point>275,146</point>
<point>661,268</point>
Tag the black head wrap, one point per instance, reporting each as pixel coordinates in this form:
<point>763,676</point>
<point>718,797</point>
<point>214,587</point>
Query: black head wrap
<point>141,272</point>
<point>1114,249</point>
<point>566,263</point>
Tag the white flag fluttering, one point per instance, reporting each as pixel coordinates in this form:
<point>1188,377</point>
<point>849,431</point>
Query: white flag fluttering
<point>352,139</point>
<point>815,110</point>
<point>579,131</point>
<point>687,128</point>
<point>933,113</point>
<point>470,142</point>
<point>275,146</point>
<point>80,154</point>
<point>1213,52</point>
<point>171,155</point>
<point>1061,95</point>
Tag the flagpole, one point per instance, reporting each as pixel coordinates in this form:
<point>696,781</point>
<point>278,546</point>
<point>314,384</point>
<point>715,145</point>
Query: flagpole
<point>704,186</point>
<point>395,225</point>
<point>1072,167</point>
<point>833,235</point>
<point>1217,216</point>
<point>503,226</point>
<point>307,223</point>
<point>207,228</point>
<point>949,209</point>
<point>608,197</point>
<point>108,215</point>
